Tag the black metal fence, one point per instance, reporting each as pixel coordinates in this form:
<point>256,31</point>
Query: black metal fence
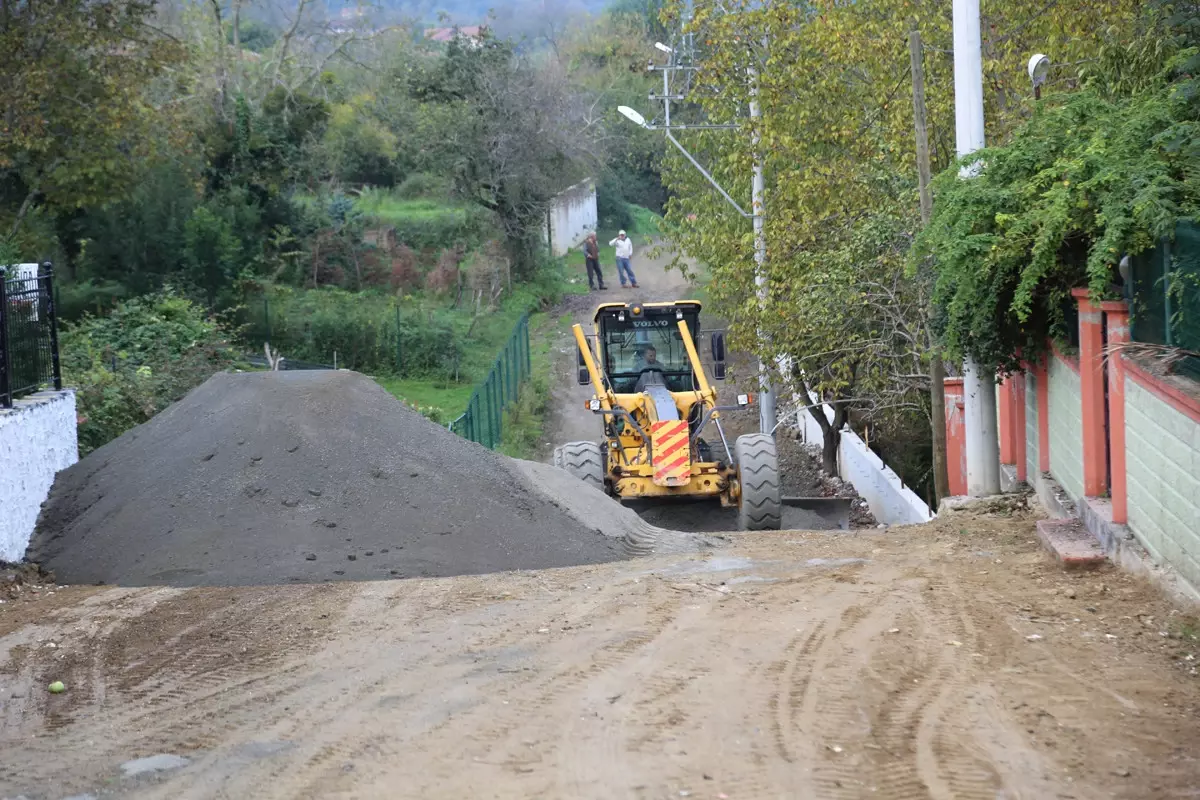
<point>28,332</point>
<point>1164,295</point>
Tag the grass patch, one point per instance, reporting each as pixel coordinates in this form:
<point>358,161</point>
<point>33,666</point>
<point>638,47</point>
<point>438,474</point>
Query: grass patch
<point>440,400</point>
<point>525,420</point>
<point>391,210</point>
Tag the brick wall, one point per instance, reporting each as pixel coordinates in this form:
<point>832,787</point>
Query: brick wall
<point>1162,447</point>
<point>1031,426</point>
<point>1066,427</point>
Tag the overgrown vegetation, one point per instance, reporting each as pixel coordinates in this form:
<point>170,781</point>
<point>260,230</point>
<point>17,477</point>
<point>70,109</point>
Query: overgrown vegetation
<point>132,363</point>
<point>1095,175</point>
<point>359,191</point>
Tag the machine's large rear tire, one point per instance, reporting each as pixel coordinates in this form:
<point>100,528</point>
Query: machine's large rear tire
<point>761,504</point>
<point>585,461</point>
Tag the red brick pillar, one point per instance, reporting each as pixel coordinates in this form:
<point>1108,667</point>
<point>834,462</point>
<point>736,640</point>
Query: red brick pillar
<point>1020,451</point>
<point>1007,444</point>
<point>956,437</point>
<point>1091,382</point>
<point>1117,316</point>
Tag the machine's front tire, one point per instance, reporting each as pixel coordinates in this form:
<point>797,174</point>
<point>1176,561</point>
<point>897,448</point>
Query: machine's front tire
<point>761,505</point>
<point>585,461</point>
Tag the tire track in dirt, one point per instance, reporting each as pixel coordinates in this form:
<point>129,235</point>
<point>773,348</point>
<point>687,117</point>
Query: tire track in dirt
<point>950,764</point>
<point>372,674</point>
<point>162,687</point>
<point>489,726</point>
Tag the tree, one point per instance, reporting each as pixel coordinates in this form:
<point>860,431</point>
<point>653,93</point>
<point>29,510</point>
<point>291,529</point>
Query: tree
<point>74,104</point>
<point>511,135</point>
<point>832,80</point>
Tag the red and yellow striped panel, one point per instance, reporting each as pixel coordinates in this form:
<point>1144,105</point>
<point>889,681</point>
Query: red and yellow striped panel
<point>672,453</point>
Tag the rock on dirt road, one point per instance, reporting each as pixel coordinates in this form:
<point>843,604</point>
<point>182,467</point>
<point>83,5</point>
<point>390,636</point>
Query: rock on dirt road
<point>789,665</point>
<point>302,477</point>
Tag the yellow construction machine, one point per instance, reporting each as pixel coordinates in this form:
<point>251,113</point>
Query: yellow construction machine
<point>655,401</point>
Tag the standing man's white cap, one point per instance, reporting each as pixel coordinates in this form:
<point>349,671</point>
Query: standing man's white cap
<point>620,233</point>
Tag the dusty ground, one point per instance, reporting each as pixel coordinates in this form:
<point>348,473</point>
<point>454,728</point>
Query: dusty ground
<point>798,665</point>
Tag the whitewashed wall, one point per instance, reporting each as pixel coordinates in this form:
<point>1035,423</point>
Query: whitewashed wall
<point>889,499</point>
<point>37,439</point>
<point>572,217</point>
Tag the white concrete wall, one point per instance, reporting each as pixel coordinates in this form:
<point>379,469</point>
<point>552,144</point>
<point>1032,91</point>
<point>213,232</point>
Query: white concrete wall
<point>889,499</point>
<point>572,217</point>
<point>1162,467</point>
<point>1032,457</point>
<point>37,439</point>
<point>1066,427</point>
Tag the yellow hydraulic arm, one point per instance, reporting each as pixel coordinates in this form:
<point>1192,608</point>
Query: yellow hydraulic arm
<point>694,357</point>
<point>590,362</point>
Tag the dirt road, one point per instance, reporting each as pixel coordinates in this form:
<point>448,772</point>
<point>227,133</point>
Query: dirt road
<point>949,661</point>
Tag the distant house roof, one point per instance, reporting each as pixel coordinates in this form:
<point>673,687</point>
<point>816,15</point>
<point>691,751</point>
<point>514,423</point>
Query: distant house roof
<point>450,34</point>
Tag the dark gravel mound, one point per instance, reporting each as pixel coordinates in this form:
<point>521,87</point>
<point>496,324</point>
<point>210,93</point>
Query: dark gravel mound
<point>267,478</point>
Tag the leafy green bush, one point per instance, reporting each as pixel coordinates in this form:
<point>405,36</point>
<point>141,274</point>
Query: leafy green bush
<point>127,366</point>
<point>612,209</point>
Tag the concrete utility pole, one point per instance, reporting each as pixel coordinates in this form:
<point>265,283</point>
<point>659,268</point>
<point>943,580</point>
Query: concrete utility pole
<point>979,387</point>
<point>766,394</point>
<point>937,369</point>
<point>766,406</point>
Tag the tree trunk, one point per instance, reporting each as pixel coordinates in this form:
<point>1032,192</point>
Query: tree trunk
<point>832,439</point>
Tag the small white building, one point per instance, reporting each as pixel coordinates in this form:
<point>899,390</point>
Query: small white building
<point>572,216</point>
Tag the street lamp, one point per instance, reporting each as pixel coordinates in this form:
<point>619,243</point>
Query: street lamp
<point>633,116</point>
<point>1039,70</point>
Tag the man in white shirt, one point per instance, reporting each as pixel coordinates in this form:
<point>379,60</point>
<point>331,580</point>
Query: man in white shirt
<point>624,246</point>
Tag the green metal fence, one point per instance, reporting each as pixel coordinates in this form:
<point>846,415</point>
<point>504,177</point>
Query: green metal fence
<point>483,421</point>
<point>1165,295</point>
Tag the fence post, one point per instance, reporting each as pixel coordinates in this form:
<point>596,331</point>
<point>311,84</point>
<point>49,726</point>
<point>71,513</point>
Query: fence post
<point>400,355</point>
<point>471,417</point>
<point>525,347</point>
<point>494,409</point>
<point>5,376</point>
<point>52,315</point>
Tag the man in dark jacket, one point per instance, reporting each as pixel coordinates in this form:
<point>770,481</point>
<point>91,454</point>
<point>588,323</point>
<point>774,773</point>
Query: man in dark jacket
<point>591,253</point>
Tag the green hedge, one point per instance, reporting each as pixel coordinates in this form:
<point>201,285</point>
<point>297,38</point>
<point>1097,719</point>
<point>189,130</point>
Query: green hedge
<point>368,332</point>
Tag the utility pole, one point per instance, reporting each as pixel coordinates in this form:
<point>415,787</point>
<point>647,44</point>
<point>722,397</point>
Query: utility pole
<point>979,387</point>
<point>766,407</point>
<point>766,399</point>
<point>937,368</point>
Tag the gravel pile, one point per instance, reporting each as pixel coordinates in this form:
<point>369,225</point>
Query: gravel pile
<point>277,477</point>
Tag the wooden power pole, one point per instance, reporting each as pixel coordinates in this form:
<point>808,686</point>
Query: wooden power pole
<point>937,367</point>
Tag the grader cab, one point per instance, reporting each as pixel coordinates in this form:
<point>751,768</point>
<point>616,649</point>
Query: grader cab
<point>655,404</point>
